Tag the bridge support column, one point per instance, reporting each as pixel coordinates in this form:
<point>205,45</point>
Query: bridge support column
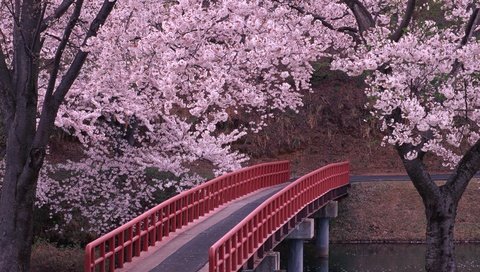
<point>323,217</point>
<point>303,231</point>
<point>271,263</point>
<point>295,257</point>
<point>322,265</point>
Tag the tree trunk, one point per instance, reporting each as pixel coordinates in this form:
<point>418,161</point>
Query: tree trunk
<point>440,241</point>
<point>16,202</point>
<point>16,232</point>
<point>26,142</point>
<point>441,202</point>
<point>22,161</point>
<point>2,137</point>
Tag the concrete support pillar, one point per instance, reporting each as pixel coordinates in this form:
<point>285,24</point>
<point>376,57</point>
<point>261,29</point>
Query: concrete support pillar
<point>295,255</point>
<point>270,263</point>
<point>323,237</point>
<point>303,231</point>
<point>323,217</point>
<point>322,265</point>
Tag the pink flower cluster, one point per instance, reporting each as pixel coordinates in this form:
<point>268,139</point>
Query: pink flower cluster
<point>164,77</point>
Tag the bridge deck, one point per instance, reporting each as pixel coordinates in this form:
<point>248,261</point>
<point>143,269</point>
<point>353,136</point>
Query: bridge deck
<point>187,250</point>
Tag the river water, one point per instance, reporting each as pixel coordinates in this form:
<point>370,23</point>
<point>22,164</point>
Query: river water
<point>381,258</point>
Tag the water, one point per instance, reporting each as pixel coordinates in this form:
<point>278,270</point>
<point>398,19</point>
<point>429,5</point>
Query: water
<point>381,258</point>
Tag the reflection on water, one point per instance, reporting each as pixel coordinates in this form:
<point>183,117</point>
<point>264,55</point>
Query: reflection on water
<point>382,258</point>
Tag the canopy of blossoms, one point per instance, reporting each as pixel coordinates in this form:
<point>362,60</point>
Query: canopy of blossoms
<point>164,77</point>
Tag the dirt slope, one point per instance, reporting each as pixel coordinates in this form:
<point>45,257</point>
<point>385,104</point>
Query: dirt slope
<point>333,125</point>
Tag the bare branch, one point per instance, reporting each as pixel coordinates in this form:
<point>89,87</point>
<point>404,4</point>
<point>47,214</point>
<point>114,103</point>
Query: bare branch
<point>38,30</point>
<point>418,173</point>
<point>58,13</point>
<point>464,172</point>
<point>50,110</point>
<point>473,21</point>
<point>5,79</point>
<point>60,49</point>
<point>323,20</point>
<point>7,106</point>
<point>470,27</point>
<point>69,44</point>
<point>362,15</point>
<point>407,17</point>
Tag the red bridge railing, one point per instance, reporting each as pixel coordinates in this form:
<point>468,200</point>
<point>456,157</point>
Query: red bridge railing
<point>239,244</point>
<point>119,246</point>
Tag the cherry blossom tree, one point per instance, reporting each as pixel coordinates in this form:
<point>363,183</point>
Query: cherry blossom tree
<point>420,60</point>
<point>152,86</point>
<point>422,73</point>
<point>22,26</point>
<point>156,83</point>
<point>216,61</point>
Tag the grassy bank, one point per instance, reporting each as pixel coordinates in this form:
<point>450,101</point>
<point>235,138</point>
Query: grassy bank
<point>393,212</point>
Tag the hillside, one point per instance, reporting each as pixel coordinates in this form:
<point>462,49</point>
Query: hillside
<point>333,125</point>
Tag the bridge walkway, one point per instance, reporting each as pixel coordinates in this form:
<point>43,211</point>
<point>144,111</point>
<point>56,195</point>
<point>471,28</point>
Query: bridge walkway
<point>187,250</point>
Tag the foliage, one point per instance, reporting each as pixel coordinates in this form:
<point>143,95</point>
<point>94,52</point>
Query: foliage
<point>432,81</point>
<point>160,82</point>
<point>164,78</point>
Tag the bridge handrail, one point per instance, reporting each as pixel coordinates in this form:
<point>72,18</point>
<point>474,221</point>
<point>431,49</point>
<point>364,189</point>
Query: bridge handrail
<point>117,247</point>
<point>239,244</point>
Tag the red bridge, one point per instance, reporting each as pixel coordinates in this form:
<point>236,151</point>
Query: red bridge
<point>226,224</point>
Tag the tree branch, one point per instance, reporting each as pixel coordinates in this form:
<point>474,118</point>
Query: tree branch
<point>362,15</point>
<point>415,168</point>
<point>7,106</point>
<point>473,21</point>
<point>50,110</point>
<point>407,17</point>
<point>348,30</point>
<point>470,27</point>
<point>469,165</point>
<point>81,56</point>
<point>5,82</point>
<point>57,14</point>
<point>418,173</point>
<point>466,168</point>
<point>60,49</point>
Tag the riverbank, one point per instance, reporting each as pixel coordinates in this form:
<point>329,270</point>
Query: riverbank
<point>392,212</point>
<point>374,212</point>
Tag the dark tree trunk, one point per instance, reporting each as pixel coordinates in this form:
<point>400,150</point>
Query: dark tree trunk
<point>441,202</point>
<point>16,209</point>
<point>21,162</point>
<point>439,236</point>
<point>25,141</point>
<point>3,145</point>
